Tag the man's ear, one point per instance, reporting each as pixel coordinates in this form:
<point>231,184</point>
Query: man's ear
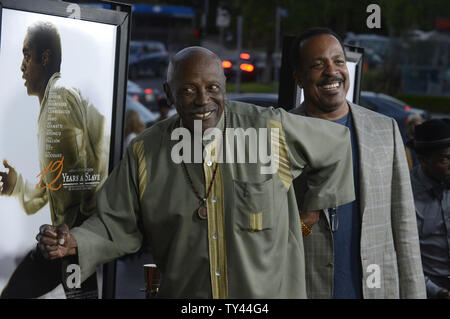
<point>45,58</point>
<point>297,79</point>
<point>168,92</point>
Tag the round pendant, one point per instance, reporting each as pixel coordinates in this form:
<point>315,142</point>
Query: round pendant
<point>202,212</point>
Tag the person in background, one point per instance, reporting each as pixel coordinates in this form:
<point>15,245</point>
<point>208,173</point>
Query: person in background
<point>133,127</point>
<point>164,109</point>
<point>412,121</point>
<point>431,187</point>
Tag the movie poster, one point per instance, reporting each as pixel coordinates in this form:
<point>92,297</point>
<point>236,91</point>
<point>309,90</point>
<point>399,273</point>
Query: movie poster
<point>56,107</point>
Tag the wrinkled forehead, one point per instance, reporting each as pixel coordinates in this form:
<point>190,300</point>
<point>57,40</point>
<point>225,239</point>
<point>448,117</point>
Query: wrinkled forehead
<point>196,66</point>
<point>321,45</point>
<point>199,63</point>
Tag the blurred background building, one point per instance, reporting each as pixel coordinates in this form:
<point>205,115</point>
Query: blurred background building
<point>408,57</point>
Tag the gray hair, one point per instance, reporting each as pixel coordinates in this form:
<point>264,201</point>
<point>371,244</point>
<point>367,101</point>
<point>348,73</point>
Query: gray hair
<point>186,54</point>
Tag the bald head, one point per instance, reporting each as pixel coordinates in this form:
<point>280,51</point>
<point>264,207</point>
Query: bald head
<point>196,87</point>
<point>192,55</point>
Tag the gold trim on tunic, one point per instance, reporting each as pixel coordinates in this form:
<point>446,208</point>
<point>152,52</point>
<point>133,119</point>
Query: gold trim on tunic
<point>282,160</point>
<point>216,228</point>
<point>139,153</point>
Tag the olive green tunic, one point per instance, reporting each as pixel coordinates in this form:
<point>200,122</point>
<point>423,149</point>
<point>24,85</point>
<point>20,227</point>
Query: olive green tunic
<point>251,244</point>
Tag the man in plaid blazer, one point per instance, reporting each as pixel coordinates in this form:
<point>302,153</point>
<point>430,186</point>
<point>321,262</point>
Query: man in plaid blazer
<point>368,248</point>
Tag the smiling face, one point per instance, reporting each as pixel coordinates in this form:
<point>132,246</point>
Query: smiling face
<point>323,75</point>
<point>33,71</point>
<point>196,86</point>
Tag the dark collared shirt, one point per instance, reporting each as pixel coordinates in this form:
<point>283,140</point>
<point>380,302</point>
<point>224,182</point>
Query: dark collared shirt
<point>432,202</point>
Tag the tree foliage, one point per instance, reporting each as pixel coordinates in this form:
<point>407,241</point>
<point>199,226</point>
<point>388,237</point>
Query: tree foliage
<point>397,16</point>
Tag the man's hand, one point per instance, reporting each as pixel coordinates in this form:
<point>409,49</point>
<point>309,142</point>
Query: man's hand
<point>310,218</point>
<point>444,294</point>
<point>56,242</point>
<point>9,179</point>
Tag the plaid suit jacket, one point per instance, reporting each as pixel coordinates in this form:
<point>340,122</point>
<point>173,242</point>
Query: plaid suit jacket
<point>389,238</point>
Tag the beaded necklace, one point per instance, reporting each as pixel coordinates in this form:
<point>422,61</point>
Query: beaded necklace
<point>202,211</point>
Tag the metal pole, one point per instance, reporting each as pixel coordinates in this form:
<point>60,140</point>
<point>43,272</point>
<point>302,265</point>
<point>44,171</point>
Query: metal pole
<point>277,46</point>
<point>205,17</point>
<point>239,49</point>
<point>277,30</point>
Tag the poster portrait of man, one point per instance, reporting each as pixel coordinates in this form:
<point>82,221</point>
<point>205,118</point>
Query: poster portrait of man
<point>56,110</point>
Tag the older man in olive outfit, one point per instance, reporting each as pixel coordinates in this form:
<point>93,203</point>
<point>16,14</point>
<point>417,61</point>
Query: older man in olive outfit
<point>220,230</point>
<point>368,248</point>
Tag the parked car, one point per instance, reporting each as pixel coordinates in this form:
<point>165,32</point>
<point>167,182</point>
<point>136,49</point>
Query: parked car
<point>147,58</point>
<point>149,97</point>
<point>376,47</point>
<point>404,105</point>
<point>138,48</point>
<point>261,99</point>
<point>246,62</point>
<point>378,102</point>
